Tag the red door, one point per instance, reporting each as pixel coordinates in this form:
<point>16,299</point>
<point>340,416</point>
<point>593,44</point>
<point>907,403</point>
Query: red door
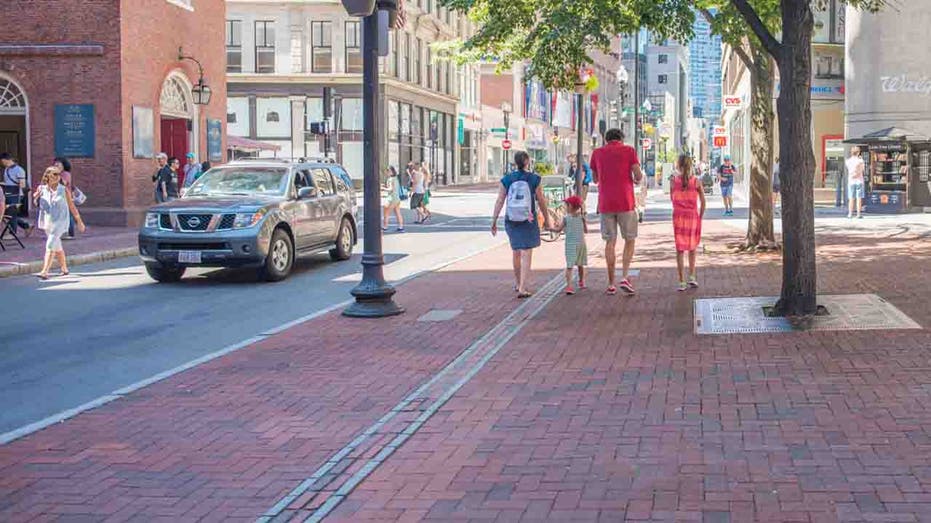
<point>175,142</point>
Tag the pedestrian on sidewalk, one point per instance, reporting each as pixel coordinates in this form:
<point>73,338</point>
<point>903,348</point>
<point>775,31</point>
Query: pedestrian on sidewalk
<point>428,182</point>
<point>777,183</point>
<point>394,194</point>
<point>55,210</point>
<point>855,182</point>
<point>418,192</point>
<point>616,168</point>
<point>161,162</point>
<point>575,227</point>
<point>167,183</point>
<point>14,176</point>
<point>64,165</point>
<point>686,193</point>
<point>192,171</point>
<point>726,173</point>
<point>522,192</point>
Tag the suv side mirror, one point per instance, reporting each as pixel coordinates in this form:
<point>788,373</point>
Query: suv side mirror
<point>306,192</point>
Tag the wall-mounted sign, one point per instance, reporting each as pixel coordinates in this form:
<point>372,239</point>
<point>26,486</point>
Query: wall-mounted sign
<point>904,83</point>
<point>733,102</point>
<point>215,140</point>
<point>720,141</point>
<point>143,132</point>
<point>719,130</point>
<point>75,135</point>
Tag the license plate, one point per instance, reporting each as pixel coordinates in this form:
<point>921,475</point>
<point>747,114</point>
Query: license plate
<point>188,256</point>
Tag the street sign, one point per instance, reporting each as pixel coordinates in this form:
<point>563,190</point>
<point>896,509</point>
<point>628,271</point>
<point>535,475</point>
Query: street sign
<point>498,130</point>
<point>646,143</point>
<point>506,144</point>
<point>720,141</point>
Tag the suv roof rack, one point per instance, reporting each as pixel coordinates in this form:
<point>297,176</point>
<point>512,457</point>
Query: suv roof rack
<point>302,159</point>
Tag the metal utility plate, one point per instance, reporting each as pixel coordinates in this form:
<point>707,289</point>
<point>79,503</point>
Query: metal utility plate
<point>846,312</point>
<point>440,315</point>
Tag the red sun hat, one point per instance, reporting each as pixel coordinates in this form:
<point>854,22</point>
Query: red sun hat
<point>574,201</point>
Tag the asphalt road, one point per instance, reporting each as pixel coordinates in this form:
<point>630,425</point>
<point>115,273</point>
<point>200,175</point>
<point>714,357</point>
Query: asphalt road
<point>70,340</point>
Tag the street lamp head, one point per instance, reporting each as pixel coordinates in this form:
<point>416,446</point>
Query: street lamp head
<point>622,75</point>
<point>201,93</point>
<point>506,107</point>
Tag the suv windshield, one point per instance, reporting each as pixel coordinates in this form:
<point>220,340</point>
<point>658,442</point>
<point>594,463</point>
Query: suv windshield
<point>242,180</point>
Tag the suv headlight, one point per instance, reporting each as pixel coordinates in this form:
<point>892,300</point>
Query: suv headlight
<point>151,220</point>
<point>247,219</point>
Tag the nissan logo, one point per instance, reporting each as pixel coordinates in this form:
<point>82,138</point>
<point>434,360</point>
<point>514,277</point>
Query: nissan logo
<point>193,222</point>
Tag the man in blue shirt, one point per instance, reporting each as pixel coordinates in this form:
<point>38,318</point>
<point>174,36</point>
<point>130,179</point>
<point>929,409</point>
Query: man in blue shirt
<point>726,173</point>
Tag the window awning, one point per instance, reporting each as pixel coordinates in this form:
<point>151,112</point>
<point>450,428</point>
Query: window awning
<point>887,135</point>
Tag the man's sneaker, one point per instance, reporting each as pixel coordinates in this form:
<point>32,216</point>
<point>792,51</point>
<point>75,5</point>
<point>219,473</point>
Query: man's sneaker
<point>570,291</point>
<point>683,286</point>
<point>611,291</point>
<point>693,282</point>
<point>582,285</point>
<point>627,287</point>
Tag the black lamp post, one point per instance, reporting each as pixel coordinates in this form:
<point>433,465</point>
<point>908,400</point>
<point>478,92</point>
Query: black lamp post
<point>373,294</point>
<point>201,91</point>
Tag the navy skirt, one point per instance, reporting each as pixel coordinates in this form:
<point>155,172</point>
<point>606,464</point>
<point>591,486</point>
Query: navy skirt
<point>523,235</point>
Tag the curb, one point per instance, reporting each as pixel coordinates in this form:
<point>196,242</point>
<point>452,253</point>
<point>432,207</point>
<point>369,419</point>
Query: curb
<point>17,269</point>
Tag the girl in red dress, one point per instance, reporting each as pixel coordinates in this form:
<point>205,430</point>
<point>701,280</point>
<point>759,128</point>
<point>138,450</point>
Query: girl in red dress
<point>686,193</point>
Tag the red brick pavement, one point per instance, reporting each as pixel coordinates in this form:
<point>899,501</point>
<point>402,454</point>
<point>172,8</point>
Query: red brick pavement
<point>95,239</point>
<point>601,409</point>
<point>607,409</point>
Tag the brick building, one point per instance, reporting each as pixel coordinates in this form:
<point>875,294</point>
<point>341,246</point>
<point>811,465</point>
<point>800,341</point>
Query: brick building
<point>100,81</point>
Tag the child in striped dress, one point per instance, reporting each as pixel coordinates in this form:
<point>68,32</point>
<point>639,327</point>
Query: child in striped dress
<point>575,227</point>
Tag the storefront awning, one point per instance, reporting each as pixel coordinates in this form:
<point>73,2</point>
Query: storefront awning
<point>890,134</point>
<point>238,143</point>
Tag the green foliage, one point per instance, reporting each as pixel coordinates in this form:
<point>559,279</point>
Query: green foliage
<point>544,168</point>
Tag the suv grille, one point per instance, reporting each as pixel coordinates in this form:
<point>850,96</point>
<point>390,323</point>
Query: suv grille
<point>164,221</point>
<point>227,222</point>
<point>194,222</point>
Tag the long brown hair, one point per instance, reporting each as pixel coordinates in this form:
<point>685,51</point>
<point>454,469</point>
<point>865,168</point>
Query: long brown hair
<point>684,165</point>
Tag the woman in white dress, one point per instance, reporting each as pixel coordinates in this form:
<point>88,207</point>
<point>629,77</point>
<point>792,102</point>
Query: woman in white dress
<point>55,210</point>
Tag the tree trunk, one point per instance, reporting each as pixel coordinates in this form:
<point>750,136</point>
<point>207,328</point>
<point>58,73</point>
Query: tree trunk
<point>760,228</point>
<point>797,162</point>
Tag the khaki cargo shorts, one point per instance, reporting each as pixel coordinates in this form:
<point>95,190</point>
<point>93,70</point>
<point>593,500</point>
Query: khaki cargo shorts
<point>626,222</point>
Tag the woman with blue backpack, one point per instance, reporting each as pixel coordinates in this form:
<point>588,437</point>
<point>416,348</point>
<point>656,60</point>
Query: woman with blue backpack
<point>520,196</point>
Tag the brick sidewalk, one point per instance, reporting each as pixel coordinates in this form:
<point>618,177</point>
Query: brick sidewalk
<point>96,244</point>
<point>600,409</point>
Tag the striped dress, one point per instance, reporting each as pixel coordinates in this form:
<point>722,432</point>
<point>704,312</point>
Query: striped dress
<point>686,221</point>
<point>576,250</point>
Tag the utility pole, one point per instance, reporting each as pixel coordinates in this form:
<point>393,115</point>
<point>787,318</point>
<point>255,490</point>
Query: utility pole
<point>579,164</point>
<point>373,294</point>
<point>636,84</point>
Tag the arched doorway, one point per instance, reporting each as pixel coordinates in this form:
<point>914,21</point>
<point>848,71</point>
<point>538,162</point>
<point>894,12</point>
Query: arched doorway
<point>178,119</point>
<point>14,132</point>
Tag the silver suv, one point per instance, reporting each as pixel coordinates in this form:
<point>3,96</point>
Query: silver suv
<point>255,213</point>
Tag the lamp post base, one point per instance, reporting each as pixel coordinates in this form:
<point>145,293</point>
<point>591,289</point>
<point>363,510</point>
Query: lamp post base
<point>373,300</point>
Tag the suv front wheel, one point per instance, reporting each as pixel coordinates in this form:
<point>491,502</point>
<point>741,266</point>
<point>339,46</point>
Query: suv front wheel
<point>163,273</point>
<point>344,242</point>
<point>280,257</point>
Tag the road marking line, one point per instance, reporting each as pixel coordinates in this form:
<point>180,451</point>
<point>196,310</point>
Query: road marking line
<point>59,417</point>
<point>450,379</point>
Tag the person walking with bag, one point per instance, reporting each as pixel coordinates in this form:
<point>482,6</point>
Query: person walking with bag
<point>686,192</point>
<point>520,194</point>
<point>55,210</point>
<point>394,193</point>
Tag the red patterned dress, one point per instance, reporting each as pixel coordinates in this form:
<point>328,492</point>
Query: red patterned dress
<point>686,221</point>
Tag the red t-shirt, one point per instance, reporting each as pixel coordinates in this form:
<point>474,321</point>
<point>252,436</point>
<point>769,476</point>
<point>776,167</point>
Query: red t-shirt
<point>613,165</point>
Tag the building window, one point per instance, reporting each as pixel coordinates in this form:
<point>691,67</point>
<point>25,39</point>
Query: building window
<point>321,47</point>
<point>234,46</point>
<point>187,4</point>
<point>406,64</point>
<point>418,48</point>
<point>264,46</point>
<point>663,58</point>
<point>663,78</point>
<point>393,42</point>
<point>353,47</point>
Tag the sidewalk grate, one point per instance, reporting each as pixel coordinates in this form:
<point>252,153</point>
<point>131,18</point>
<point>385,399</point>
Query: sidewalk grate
<point>847,312</point>
<point>318,495</point>
<point>440,315</point>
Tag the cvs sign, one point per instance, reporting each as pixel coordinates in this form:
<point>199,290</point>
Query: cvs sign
<point>733,102</point>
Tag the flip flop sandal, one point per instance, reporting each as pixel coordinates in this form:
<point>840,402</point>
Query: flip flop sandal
<point>524,295</point>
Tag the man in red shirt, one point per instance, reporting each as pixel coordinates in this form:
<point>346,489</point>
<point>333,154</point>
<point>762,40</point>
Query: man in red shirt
<point>615,168</point>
